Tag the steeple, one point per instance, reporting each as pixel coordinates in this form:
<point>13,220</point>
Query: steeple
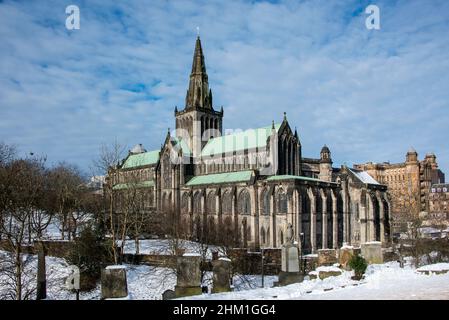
<point>198,95</point>
<point>198,121</point>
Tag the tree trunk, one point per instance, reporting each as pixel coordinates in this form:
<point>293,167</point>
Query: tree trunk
<point>137,245</point>
<point>18,275</point>
<point>114,244</point>
<point>63,224</point>
<point>29,230</point>
<point>69,228</point>
<point>75,227</point>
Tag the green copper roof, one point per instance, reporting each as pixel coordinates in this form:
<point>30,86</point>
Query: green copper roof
<point>228,177</point>
<point>141,159</point>
<point>137,185</point>
<point>249,139</point>
<point>287,177</point>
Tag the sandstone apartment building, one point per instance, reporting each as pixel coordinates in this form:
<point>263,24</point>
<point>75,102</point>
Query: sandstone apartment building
<point>409,184</point>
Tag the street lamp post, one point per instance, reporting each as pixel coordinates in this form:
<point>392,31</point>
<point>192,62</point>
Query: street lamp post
<point>301,236</point>
<point>262,261</point>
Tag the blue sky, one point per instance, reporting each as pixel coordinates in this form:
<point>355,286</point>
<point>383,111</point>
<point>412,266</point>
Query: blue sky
<point>368,94</point>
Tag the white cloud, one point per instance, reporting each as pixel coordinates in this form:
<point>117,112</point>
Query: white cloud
<point>367,94</point>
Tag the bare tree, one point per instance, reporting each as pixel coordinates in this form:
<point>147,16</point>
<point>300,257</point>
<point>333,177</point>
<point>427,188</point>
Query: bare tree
<point>107,163</point>
<point>7,153</point>
<point>9,282</point>
<point>21,193</point>
<point>67,185</point>
<point>138,207</point>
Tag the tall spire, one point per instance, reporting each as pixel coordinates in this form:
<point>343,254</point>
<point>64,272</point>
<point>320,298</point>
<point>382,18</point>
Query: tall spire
<point>198,94</point>
<point>198,65</point>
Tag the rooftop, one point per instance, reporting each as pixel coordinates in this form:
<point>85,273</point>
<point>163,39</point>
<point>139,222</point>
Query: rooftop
<point>136,185</point>
<point>363,176</point>
<point>239,141</point>
<point>227,177</point>
<point>141,159</point>
<point>289,177</point>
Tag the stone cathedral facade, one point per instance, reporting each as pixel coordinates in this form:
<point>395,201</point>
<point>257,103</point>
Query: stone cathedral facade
<point>252,184</point>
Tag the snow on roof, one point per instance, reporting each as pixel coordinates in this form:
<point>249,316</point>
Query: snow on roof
<point>138,148</point>
<point>364,177</point>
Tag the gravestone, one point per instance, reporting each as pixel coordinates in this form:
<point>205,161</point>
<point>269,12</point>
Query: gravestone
<point>290,258</point>
<point>188,280</point>
<point>327,257</point>
<point>113,282</point>
<point>372,252</point>
<point>325,272</point>
<point>221,275</point>
<point>345,255</point>
<point>168,295</point>
<point>290,261</point>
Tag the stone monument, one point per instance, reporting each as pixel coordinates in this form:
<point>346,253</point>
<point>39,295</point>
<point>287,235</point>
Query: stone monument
<point>372,252</point>
<point>221,275</point>
<point>290,261</point>
<point>188,275</point>
<point>345,255</point>
<point>168,295</point>
<point>327,257</point>
<point>113,282</point>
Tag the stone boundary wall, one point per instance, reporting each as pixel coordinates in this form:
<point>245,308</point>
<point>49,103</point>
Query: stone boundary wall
<point>54,248</point>
<point>154,260</point>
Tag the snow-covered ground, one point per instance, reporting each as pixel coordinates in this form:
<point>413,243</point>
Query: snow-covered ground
<point>384,281</point>
<point>436,267</point>
<point>165,246</point>
<point>389,282</point>
<point>144,282</point>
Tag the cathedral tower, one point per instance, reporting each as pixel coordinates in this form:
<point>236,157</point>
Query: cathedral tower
<point>325,164</point>
<point>198,122</point>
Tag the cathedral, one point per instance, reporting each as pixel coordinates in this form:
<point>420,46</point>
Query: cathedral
<point>251,185</point>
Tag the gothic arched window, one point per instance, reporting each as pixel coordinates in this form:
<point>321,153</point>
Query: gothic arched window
<point>166,171</point>
<point>281,201</point>
<point>265,199</point>
<point>226,202</point>
<point>197,203</point>
<point>211,203</point>
<point>244,202</point>
<point>185,203</point>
